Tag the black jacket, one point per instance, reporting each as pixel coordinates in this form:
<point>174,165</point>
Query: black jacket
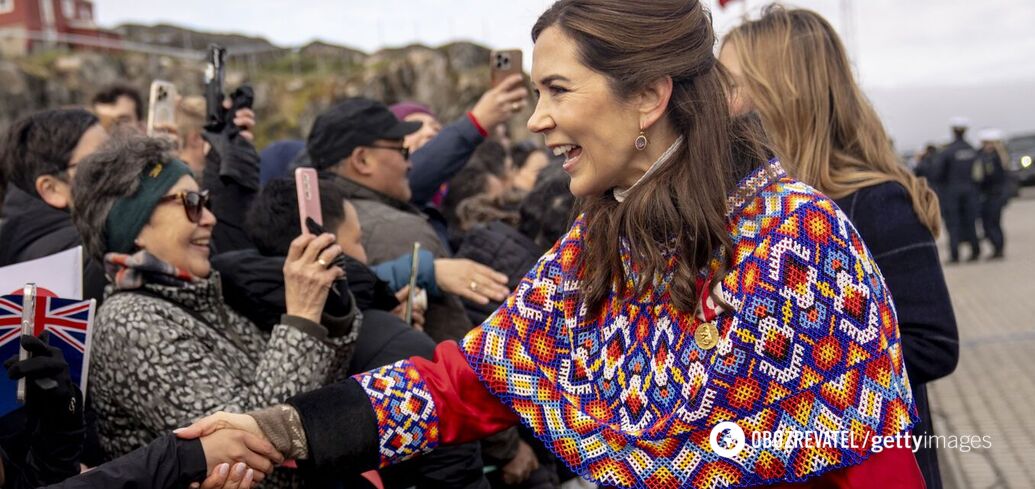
<point>167,463</point>
<point>955,167</point>
<point>502,248</point>
<point>996,182</point>
<point>232,179</point>
<point>33,229</point>
<point>906,253</point>
<point>50,453</point>
<point>254,285</point>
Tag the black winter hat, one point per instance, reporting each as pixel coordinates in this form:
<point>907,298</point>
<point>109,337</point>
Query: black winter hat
<point>350,124</point>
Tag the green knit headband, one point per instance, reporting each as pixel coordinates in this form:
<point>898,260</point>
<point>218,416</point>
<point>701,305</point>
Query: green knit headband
<point>131,213</point>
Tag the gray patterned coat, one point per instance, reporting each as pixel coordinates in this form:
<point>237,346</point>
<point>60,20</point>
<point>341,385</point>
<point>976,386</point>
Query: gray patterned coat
<point>155,367</point>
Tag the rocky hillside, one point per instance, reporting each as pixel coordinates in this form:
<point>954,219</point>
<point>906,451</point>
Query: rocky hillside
<point>179,37</point>
<point>292,85</point>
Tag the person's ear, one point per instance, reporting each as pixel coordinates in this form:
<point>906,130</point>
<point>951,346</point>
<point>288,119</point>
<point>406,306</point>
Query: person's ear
<point>653,101</point>
<point>54,191</point>
<point>361,162</point>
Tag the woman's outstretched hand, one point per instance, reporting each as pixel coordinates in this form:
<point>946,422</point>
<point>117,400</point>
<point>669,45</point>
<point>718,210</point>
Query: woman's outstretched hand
<point>236,450</point>
<point>221,421</point>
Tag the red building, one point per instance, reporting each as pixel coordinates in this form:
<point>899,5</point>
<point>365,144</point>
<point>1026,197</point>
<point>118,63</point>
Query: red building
<point>26,25</point>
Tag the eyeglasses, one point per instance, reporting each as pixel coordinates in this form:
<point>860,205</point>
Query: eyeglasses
<point>194,203</point>
<point>403,150</point>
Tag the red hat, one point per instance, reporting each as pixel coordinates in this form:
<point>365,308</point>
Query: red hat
<point>402,110</point>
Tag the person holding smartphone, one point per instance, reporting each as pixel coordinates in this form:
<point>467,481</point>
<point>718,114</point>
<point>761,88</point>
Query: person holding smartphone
<point>165,347</point>
<point>440,152</point>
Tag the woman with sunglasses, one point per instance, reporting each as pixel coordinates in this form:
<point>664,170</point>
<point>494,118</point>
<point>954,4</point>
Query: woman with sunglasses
<point>166,349</point>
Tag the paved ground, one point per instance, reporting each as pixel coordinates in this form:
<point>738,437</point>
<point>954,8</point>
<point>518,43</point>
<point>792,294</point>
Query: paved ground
<point>992,391</point>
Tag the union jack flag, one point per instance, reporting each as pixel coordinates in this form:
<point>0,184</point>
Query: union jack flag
<point>67,320</point>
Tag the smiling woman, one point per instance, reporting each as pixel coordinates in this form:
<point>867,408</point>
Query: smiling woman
<point>699,286</point>
<point>614,105</point>
<point>166,349</point>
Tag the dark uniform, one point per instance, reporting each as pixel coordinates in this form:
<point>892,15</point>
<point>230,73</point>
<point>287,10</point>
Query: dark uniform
<point>994,194</point>
<point>957,174</point>
<point>925,167</point>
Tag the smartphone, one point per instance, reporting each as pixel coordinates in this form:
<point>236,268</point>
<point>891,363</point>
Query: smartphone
<point>307,184</point>
<point>215,114</point>
<point>414,268</point>
<point>28,328</point>
<point>503,63</point>
<point>162,106</point>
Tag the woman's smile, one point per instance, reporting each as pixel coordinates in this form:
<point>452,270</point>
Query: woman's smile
<point>571,153</point>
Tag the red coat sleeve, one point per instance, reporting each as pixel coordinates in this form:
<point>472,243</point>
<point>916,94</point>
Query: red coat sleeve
<point>467,411</point>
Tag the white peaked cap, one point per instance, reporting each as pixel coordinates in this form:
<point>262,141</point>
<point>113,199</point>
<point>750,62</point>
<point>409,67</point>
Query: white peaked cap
<point>990,135</point>
<point>959,121</point>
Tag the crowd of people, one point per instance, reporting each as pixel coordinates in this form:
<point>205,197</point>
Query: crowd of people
<point>702,238</point>
<point>972,183</point>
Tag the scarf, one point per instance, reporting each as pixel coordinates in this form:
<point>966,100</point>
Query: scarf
<point>129,272</point>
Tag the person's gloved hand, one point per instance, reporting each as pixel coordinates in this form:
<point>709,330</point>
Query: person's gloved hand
<point>50,394</point>
<point>232,157</point>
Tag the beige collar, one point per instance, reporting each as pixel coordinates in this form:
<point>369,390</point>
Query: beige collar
<point>621,193</point>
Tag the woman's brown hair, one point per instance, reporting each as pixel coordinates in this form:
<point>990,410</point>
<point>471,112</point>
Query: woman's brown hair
<point>634,44</point>
<point>798,78</point>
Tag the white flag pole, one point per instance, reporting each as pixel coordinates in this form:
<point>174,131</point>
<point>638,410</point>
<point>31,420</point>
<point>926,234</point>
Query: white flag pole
<point>86,347</point>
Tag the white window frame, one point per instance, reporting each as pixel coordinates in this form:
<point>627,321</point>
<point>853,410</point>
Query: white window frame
<point>6,6</point>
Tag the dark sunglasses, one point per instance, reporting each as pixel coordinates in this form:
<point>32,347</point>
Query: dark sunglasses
<point>194,203</point>
<point>403,150</point>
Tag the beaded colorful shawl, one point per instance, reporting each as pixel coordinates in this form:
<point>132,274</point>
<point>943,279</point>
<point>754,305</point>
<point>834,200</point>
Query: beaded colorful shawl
<point>629,398</point>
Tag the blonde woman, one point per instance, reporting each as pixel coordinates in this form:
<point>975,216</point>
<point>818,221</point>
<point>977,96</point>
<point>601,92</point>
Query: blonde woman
<point>791,68</point>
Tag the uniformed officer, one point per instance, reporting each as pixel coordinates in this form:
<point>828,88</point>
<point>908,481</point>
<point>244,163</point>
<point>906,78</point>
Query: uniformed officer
<point>958,173</point>
<point>995,189</point>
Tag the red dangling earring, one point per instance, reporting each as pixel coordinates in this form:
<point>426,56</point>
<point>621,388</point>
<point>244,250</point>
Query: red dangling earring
<point>641,141</point>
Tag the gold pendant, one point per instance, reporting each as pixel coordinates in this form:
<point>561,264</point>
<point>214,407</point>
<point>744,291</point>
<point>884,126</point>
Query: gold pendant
<point>706,336</point>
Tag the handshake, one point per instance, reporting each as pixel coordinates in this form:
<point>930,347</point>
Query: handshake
<point>237,451</point>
